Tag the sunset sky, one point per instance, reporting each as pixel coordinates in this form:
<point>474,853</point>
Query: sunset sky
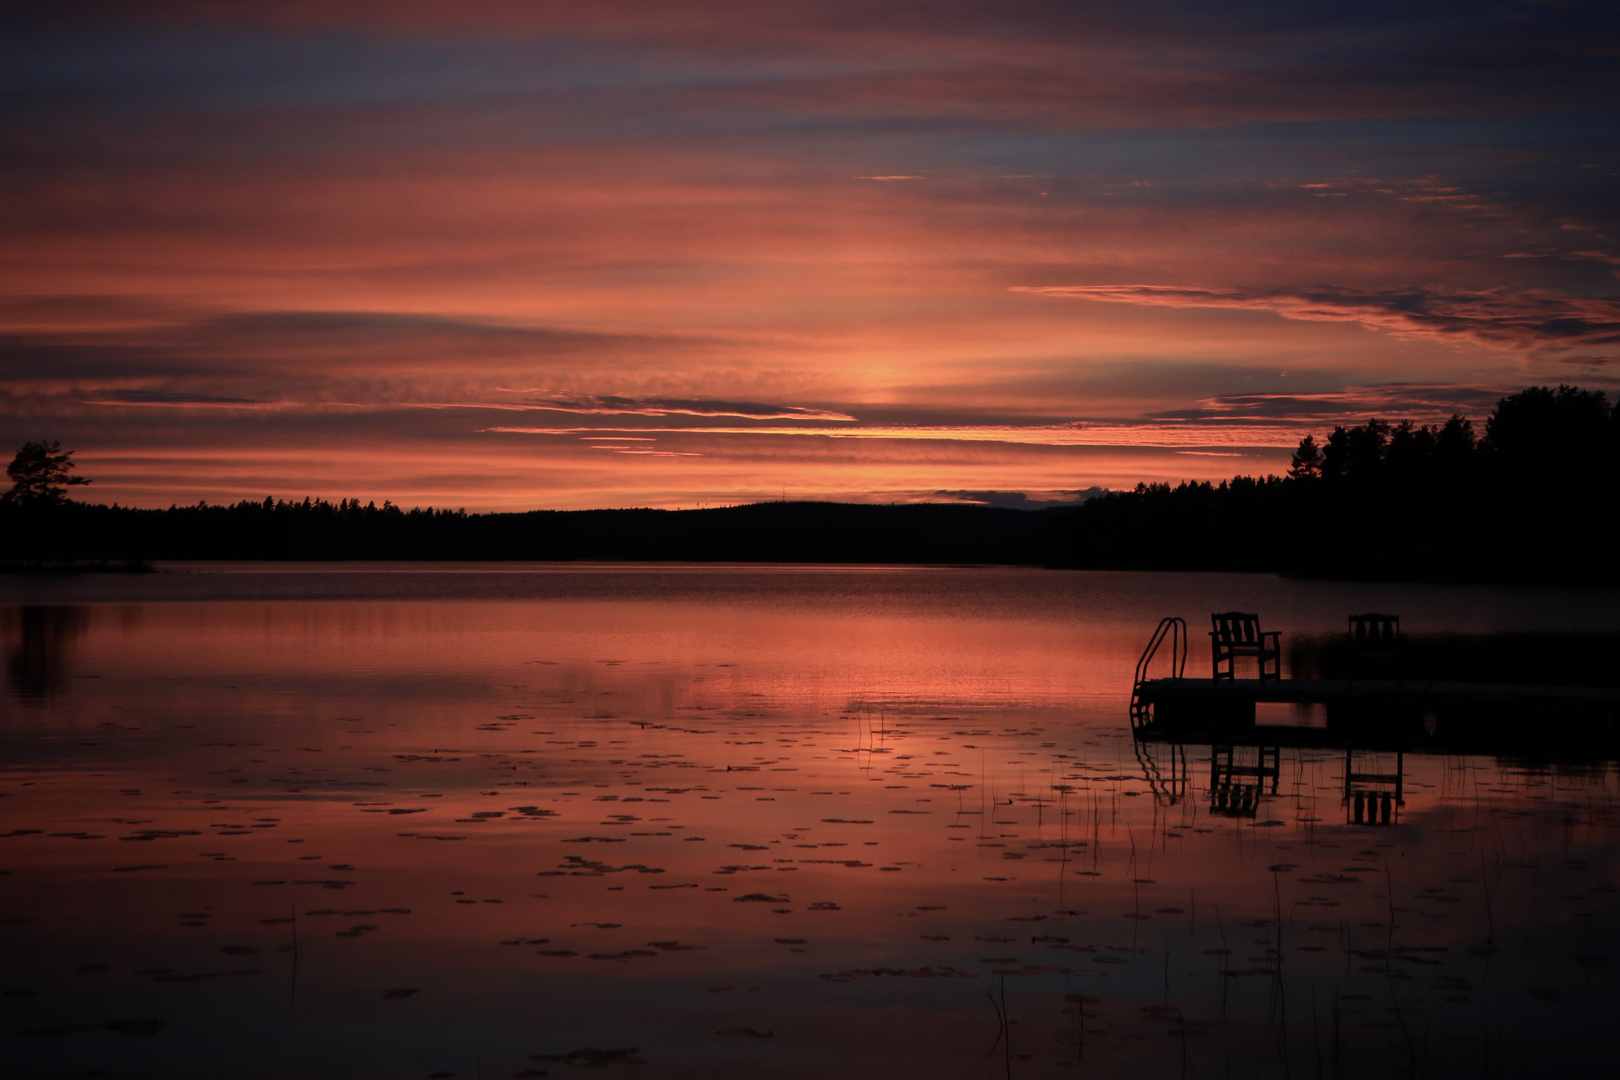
<point>502,255</point>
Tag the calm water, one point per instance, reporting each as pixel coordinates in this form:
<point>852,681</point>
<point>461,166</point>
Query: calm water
<point>751,822</point>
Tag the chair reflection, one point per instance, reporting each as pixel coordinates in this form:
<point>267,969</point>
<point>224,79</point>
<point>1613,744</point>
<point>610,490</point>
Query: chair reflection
<point>1371,796</point>
<point>1243,776</point>
<point>1237,778</point>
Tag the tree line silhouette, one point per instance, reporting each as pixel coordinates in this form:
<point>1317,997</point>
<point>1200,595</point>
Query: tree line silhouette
<point>348,530</point>
<point>1534,499</point>
<point>1531,499</point>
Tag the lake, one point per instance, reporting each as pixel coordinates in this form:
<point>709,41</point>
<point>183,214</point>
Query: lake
<point>693,821</point>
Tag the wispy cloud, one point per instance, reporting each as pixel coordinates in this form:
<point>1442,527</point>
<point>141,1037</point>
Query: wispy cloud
<point>1398,401</point>
<point>171,399</point>
<point>1538,323</point>
<point>1422,189</point>
<point>1158,434</point>
<point>613,405</point>
<point>1020,500</point>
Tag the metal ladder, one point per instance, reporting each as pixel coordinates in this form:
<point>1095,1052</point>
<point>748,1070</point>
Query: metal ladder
<point>1175,629</point>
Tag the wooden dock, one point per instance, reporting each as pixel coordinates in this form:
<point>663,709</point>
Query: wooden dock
<point>1373,721</point>
<point>1376,712</point>
<point>1240,695</point>
<point>1348,712</point>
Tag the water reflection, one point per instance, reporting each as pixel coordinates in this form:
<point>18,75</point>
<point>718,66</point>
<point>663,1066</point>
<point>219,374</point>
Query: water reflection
<point>758,833</point>
<point>1242,777</point>
<point>1372,790</point>
<point>39,644</point>
<point>1238,776</point>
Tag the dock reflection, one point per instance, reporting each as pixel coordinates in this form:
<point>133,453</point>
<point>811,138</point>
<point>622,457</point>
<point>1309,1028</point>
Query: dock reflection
<point>1242,777</point>
<point>39,647</point>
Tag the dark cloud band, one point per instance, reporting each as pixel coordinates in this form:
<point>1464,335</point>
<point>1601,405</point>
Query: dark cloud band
<point>1541,324</point>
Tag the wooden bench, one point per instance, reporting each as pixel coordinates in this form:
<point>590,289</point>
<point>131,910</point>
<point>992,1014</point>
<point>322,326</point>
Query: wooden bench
<point>1238,634</point>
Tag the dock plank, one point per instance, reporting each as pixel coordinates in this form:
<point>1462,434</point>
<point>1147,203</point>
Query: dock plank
<point>1219,692</point>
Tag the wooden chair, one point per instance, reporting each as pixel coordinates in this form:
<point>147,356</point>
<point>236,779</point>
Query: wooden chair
<point>1374,643</point>
<point>1238,634</point>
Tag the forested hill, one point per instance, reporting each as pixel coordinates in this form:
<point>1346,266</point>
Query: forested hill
<point>760,532</point>
<point>1536,499</point>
